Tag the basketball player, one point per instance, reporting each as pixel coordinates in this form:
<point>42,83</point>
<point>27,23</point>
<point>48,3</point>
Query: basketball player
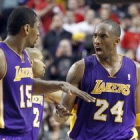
<point>38,68</point>
<point>115,82</point>
<point>16,77</point>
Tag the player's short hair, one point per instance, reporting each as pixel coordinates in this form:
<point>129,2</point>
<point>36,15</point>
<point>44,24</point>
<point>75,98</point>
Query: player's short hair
<point>18,18</point>
<point>115,26</point>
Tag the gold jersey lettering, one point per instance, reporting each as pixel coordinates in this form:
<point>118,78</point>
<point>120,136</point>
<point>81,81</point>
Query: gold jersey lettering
<point>23,73</point>
<point>96,89</point>
<point>101,86</point>
<point>37,99</point>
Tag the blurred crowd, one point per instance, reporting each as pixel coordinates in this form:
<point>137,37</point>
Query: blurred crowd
<point>66,29</point>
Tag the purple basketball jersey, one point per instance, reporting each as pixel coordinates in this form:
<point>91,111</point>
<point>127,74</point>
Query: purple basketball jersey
<point>16,94</point>
<point>38,107</point>
<point>113,115</point>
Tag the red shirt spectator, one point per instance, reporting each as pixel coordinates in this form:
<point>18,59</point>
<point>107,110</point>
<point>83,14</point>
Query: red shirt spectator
<point>130,40</point>
<point>47,18</point>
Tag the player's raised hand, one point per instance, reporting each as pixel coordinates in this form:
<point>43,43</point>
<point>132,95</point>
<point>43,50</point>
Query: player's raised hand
<point>70,89</point>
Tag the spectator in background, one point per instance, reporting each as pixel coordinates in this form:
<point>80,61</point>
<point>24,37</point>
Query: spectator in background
<point>120,10</point>
<point>73,5</point>
<point>64,48</point>
<point>6,7</point>
<point>87,26</point>
<point>106,13</point>
<point>55,35</point>
<point>131,38</point>
<point>133,10</point>
<point>45,9</point>
<point>51,129</point>
<point>62,3</point>
<point>70,24</point>
<point>56,130</point>
<point>138,54</point>
<point>78,45</point>
<point>82,7</point>
<point>125,22</point>
<point>93,5</point>
<point>63,61</point>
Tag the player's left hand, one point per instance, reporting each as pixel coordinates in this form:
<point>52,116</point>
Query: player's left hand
<point>60,109</point>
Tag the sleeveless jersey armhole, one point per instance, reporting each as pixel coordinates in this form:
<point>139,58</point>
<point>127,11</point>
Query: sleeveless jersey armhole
<point>137,75</point>
<point>83,72</point>
<point>5,64</point>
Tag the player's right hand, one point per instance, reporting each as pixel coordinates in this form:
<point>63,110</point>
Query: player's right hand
<point>70,89</point>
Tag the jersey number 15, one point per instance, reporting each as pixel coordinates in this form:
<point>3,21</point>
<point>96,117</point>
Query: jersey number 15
<point>25,102</point>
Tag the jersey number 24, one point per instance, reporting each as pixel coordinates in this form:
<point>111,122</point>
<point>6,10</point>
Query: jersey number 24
<point>116,110</point>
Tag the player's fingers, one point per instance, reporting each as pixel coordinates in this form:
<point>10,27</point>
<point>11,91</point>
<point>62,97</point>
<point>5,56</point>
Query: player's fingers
<point>63,112</point>
<point>91,98</point>
<point>69,114</point>
<point>53,101</point>
<point>85,96</point>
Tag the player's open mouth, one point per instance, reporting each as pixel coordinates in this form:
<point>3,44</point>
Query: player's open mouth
<point>98,50</point>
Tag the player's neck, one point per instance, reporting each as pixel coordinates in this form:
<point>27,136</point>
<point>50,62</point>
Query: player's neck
<point>15,43</point>
<point>111,60</point>
<point>112,64</point>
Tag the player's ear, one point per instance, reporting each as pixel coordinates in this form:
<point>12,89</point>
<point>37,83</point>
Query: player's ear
<point>26,29</point>
<point>117,40</point>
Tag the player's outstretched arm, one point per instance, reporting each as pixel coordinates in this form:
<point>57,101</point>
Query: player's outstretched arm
<point>138,101</point>
<point>46,87</point>
<point>74,77</point>
<point>3,66</point>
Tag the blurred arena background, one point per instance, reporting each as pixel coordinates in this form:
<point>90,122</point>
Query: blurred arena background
<point>66,36</point>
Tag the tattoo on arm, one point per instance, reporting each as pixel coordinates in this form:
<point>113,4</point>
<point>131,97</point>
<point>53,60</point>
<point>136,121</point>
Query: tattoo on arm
<point>71,79</point>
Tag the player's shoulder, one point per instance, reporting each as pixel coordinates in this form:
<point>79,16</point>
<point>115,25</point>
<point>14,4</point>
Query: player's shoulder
<point>2,55</point>
<point>137,66</point>
<point>79,63</point>
<point>76,71</point>
<point>133,61</point>
<point>78,67</point>
<point>138,70</point>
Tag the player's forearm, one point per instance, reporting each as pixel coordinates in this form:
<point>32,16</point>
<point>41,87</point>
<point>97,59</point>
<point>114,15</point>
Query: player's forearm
<point>55,95</point>
<point>46,87</point>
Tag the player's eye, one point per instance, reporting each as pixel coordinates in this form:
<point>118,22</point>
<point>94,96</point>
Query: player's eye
<point>103,36</point>
<point>94,35</point>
